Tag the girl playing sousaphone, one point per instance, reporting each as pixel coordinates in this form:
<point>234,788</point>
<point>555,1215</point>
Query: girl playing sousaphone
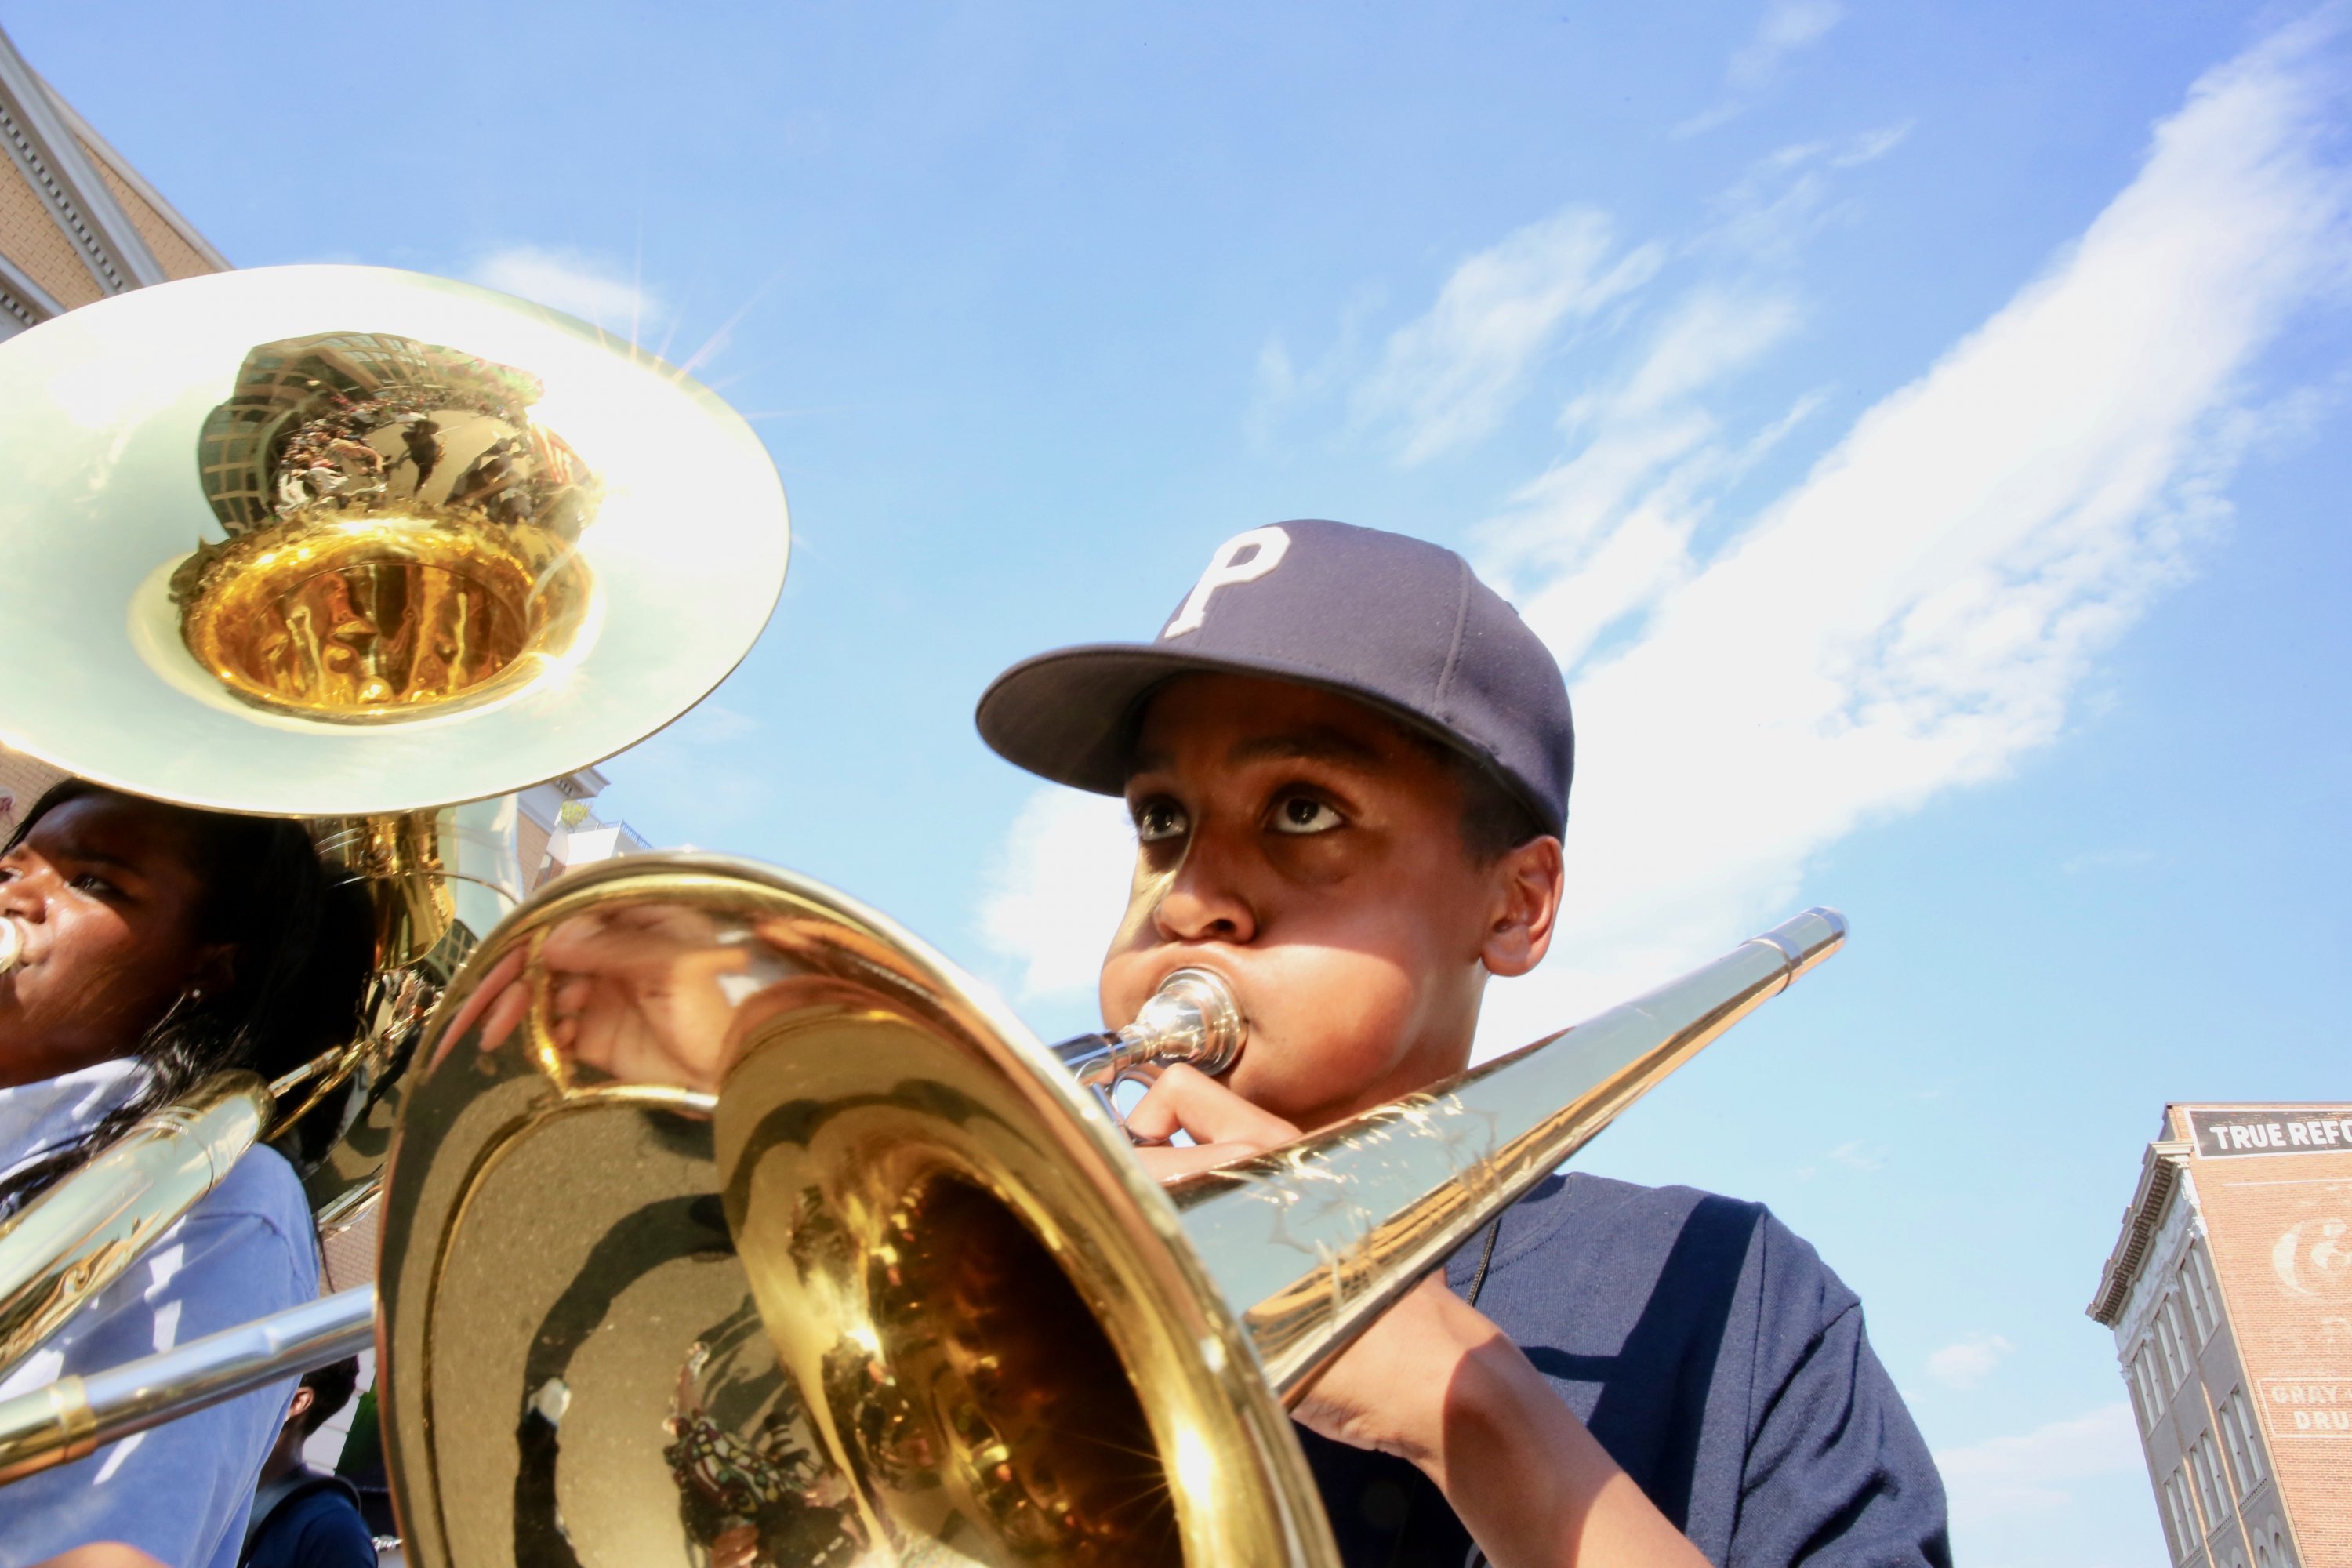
<point>156,945</point>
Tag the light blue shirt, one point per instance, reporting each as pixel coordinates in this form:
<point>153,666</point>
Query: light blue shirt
<point>179,1492</point>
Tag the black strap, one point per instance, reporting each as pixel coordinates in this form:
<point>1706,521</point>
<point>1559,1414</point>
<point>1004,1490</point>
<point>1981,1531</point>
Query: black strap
<point>1486,1259</point>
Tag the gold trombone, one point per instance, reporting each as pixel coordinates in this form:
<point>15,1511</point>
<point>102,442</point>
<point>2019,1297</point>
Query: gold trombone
<point>866,1273</point>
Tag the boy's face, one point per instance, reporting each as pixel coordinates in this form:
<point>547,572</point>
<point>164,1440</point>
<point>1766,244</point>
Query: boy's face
<point>1305,847</point>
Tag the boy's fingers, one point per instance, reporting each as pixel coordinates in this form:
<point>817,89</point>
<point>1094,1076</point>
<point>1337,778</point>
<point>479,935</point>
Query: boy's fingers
<point>1185,1097</point>
<point>501,976</point>
<point>1165,1164</point>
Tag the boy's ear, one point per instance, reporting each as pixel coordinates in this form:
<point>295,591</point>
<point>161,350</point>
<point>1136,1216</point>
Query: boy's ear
<point>1526,903</point>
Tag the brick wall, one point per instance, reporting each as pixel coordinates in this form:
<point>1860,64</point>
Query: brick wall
<point>2279,1224</point>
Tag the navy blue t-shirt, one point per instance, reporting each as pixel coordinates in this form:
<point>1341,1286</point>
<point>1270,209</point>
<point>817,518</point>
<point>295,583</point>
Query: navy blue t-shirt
<point>316,1525</point>
<point>1713,1354</point>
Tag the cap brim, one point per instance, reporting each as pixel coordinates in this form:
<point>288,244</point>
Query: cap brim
<point>1070,715</point>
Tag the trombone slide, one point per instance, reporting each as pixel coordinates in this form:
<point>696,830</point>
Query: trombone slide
<point>75,1416</point>
<point>76,1239</point>
<point>1312,1241</point>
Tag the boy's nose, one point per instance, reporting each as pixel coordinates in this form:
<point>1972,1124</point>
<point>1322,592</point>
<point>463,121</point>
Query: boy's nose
<point>1201,902</point>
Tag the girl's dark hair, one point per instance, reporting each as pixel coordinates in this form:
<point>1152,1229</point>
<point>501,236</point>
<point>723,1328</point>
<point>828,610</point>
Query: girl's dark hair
<point>303,953</point>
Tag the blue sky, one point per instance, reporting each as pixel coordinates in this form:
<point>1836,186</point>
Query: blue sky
<point>1920,429</point>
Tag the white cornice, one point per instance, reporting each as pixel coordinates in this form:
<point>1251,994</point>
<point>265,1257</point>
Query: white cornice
<point>131,176</point>
<point>2180,1223</point>
<point>2161,1169</point>
<point>23,302</point>
<point>35,136</point>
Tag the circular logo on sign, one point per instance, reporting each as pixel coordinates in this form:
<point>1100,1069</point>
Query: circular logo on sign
<point>2314,1258</point>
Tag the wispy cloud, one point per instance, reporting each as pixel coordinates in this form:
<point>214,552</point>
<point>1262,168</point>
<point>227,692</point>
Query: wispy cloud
<point>579,285</point>
<point>2028,1473</point>
<point>1914,615</point>
<point>1057,888</point>
<point>1786,27</point>
<point>1968,1360</point>
<point>1917,613</point>
<point>1856,1155</point>
<point>1447,378</point>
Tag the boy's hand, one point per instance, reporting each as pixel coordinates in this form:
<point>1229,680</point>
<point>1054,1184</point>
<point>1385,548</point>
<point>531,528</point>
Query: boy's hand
<point>1434,1381</point>
<point>1223,1126</point>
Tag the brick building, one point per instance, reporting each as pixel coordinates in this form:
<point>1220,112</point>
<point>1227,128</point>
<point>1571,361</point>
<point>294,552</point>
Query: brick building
<point>76,221</point>
<point>2229,1294</point>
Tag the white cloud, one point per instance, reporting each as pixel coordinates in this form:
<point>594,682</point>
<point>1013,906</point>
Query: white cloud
<point>1917,612</point>
<point>1912,616</point>
<point>1968,1360</point>
<point>2026,1474</point>
<point>1448,377</point>
<point>1057,888</point>
<point>1790,194</point>
<point>578,285</point>
<point>1787,27</point>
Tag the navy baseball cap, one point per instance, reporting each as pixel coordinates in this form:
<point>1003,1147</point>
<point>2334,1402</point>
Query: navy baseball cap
<point>1400,624</point>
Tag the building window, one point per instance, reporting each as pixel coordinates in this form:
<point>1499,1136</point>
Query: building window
<point>2204,1268</point>
<point>2212,1487</point>
<point>2245,1441</point>
<point>2151,1389</point>
<point>2193,1291</point>
<point>2175,1364</point>
<point>2179,1517</point>
<point>2178,1319</point>
<point>2233,1442</point>
<point>2280,1556</point>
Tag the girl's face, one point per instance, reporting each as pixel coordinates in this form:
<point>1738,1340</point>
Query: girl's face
<point>105,897</point>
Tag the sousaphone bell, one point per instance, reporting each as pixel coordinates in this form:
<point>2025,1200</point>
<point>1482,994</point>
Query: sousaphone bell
<point>367,548</point>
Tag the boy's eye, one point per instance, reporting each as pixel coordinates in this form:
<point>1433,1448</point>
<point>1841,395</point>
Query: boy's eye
<point>1305,814</point>
<point>91,882</point>
<point>1157,821</point>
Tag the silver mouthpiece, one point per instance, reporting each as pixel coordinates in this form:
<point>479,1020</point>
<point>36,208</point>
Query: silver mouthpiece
<point>1191,1018</point>
<point>12,944</point>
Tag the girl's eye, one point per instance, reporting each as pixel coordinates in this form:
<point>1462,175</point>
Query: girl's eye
<point>1305,814</point>
<point>1157,821</point>
<point>91,882</point>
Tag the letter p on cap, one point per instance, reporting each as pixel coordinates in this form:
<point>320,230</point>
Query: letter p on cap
<point>1265,548</point>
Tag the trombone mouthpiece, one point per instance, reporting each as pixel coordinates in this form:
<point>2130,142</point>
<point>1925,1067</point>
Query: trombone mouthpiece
<point>1191,1018</point>
<point>12,944</point>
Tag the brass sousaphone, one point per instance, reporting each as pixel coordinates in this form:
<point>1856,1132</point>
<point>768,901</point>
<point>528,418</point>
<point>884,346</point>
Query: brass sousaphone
<point>371,549</point>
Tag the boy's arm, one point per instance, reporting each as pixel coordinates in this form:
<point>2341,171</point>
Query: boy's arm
<point>1434,1382</point>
